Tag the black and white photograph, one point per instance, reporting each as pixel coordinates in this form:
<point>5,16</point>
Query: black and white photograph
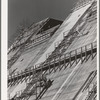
<point>52,50</point>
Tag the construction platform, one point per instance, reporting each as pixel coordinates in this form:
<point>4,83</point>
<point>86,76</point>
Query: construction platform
<point>56,60</point>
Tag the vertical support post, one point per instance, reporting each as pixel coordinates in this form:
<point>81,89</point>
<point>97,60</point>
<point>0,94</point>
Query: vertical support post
<point>21,75</point>
<point>65,60</point>
<point>92,50</point>
<point>25,77</point>
<point>70,58</point>
<point>29,74</point>
<point>36,89</point>
<point>86,52</point>
<point>81,56</point>
<point>41,68</point>
<point>33,72</point>
<point>54,65</point>
<point>76,56</point>
<point>35,69</point>
<point>17,76</point>
<point>59,62</point>
<point>20,93</point>
<point>12,80</point>
<point>13,77</point>
<point>49,66</point>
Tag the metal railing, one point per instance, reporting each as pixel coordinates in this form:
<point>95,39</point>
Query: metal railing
<point>18,53</point>
<point>37,87</point>
<point>76,54</point>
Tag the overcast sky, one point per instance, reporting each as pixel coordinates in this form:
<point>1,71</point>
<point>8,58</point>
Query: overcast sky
<point>35,10</point>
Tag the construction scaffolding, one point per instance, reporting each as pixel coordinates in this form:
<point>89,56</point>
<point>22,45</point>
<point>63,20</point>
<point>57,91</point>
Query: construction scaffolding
<point>37,86</point>
<point>35,28</point>
<point>38,83</point>
<point>42,37</point>
<point>74,55</point>
<point>35,76</point>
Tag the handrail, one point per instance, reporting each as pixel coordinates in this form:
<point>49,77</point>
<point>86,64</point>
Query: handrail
<point>91,48</point>
<point>22,48</point>
<point>37,30</point>
<point>42,37</point>
<point>68,39</point>
<point>64,43</point>
<point>30,45</point>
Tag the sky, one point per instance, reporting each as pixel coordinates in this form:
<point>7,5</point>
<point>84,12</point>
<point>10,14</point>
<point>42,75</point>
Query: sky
<point>35,11</point>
